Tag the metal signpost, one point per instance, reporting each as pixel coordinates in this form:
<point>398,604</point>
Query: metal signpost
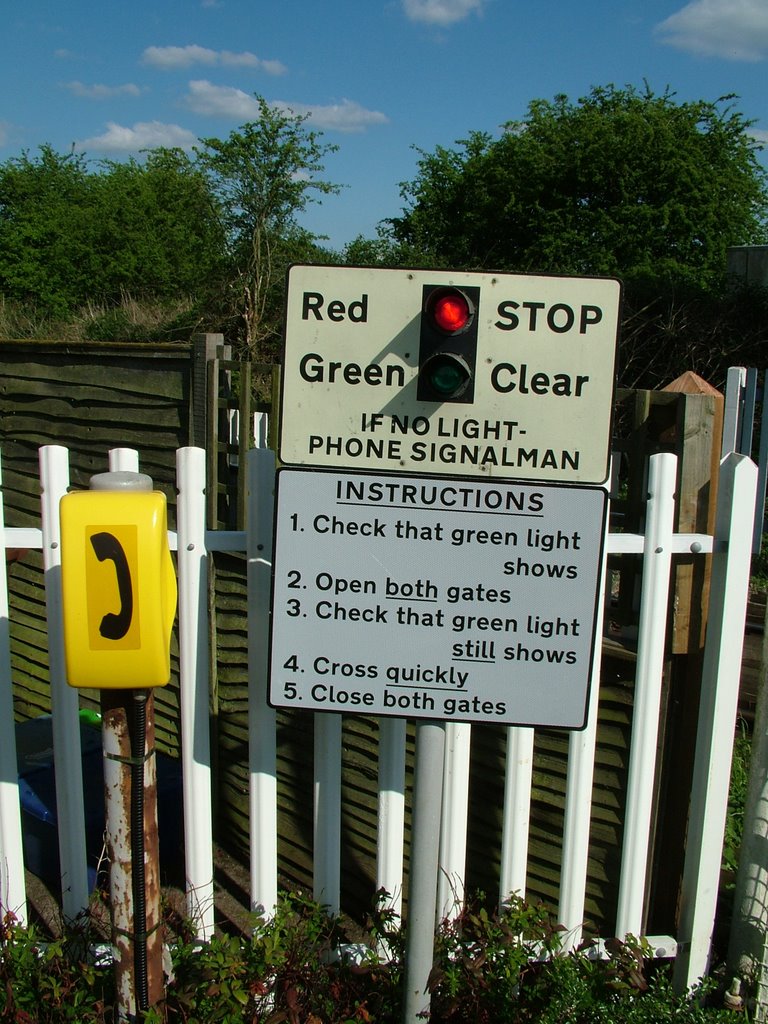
<point>438,568</point>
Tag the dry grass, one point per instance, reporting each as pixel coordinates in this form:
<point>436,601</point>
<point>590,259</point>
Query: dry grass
<point>131,319</point>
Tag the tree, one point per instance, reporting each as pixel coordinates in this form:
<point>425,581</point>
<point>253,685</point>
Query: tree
<point>623,182</point>
<point>263,175</point>
<point>74,234</point>
<point>156,231</point>
<point>41,251</point>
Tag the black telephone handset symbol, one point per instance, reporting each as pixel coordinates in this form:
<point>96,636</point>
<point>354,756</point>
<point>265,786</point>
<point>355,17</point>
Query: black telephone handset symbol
<point>115,625</point>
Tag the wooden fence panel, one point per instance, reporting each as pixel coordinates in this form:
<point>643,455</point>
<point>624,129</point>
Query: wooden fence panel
<point>90,398</point>
<point>48,394</point>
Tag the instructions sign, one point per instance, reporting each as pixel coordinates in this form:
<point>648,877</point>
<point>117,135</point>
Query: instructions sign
<point>436,598</point>
<point>538,355</point>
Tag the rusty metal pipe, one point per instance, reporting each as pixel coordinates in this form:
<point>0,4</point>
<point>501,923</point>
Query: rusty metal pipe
<point>124,745</point>
<point>138,747</point>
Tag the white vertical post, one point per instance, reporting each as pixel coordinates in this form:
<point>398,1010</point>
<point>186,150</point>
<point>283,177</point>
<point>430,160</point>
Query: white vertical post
<point>517,812</point>
<point>70,812</point>
<point>749,924</point>
<point>13,895</point>
<point>451,877</point>
<point>654,598</point>
<point>194,685</point>
<point>391,816</point>
<point>578,795</point>
<point>262,719</point>
<point>327,799</point>
<point>729,589</point>
<point>425,840</point>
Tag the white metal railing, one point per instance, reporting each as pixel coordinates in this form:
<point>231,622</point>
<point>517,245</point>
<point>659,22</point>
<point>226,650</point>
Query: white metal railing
<point>730,544</point>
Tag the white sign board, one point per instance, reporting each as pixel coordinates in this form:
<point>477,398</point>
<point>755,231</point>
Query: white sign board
<point>435,598</point>
<point>543,369</point>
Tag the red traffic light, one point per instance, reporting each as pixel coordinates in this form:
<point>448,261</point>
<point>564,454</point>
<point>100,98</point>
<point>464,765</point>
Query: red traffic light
<point>447,343</point>
<point>450,310</point>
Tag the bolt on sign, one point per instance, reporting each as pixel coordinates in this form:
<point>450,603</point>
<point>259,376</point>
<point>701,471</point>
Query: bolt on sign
<point>505,376</point>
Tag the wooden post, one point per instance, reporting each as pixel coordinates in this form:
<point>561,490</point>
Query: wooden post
<point>204,348</point>
<point>684,418</point>
<point>695,432</point>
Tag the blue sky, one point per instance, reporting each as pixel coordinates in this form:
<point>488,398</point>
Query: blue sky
<point>377,77</point>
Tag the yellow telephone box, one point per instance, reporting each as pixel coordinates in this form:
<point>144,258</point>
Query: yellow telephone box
<point>118,586</point>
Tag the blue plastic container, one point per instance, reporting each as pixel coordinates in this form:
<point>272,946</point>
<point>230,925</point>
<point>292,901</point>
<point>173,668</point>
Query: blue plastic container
<point>37,794</point>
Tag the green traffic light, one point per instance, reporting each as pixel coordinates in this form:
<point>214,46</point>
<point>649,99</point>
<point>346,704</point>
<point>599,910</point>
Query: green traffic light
<point>448,374</point>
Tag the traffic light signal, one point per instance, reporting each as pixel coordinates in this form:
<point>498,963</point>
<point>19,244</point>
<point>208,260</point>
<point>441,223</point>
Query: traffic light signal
<point>448,344</point>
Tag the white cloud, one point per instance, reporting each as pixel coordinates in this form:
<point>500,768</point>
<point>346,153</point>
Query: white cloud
<point>441,12</point>
<point>171,58</point>
<point>734,29</point>
<point>221,101</point>
<point>226,101</point>
<point>347,116</point>
<point>273,67</point>
<point>143,135</point>
<point>760,135</point>
<point>102,92</point>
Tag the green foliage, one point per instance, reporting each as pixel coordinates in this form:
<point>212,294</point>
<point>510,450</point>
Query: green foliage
<point>759,569</point>
<point>491,967</point>
<point>670,331</point>
<point>44,252</point>
<point>483,957</point>
<point>218,228</point>
<point>288,970</point>
<point>49,982</point>
<point>140,321</point>
<point>622,182</point>
<point>71,235</point>
<point>737,801</point>
<point>157,230</point>
<point>262,176</point>
<point>625,988</point>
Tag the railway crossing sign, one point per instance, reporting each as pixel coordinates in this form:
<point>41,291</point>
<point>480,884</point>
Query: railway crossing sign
<point>436,598</point>
<point>497,376</point>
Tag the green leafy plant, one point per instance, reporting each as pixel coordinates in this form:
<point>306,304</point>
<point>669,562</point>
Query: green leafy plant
<point>759,570</point>
<point>49,982</point>
<point>737,798</point>
<point>292,968</point>
<point>305,966</point>
<point>482,958</point>
<point>624,988</point>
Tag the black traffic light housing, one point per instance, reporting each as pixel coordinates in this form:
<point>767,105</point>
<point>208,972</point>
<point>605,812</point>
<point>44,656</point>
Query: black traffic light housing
<point>448,343</point>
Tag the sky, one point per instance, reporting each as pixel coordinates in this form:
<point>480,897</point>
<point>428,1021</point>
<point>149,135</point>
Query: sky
<point>378,78</point>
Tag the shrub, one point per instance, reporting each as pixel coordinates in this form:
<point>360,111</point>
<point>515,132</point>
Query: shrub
<point>303,966</point>
<point>50,982</point>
